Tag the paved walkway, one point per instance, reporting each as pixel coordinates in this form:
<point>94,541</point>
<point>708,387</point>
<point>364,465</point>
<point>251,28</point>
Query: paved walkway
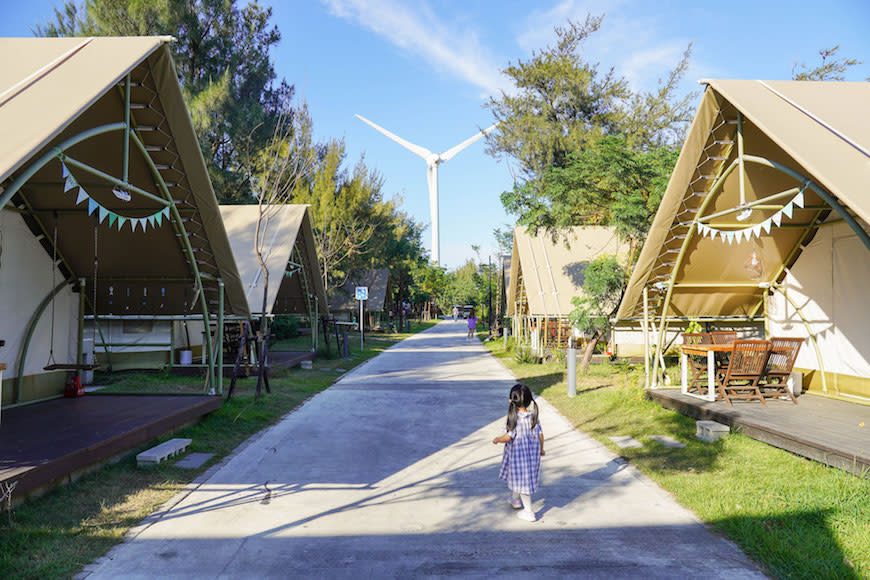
<point>391,473</point>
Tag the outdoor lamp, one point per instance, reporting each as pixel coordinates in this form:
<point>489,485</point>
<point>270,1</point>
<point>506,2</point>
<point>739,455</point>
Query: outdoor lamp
<point>754,266</point>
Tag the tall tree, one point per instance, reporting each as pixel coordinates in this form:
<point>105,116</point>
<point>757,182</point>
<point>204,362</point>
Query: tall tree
<point>567,125</point>
<point>831,68</point>
<point>223,61</point>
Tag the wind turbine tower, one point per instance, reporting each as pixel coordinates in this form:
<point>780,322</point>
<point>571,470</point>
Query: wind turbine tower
<point>433,160</point>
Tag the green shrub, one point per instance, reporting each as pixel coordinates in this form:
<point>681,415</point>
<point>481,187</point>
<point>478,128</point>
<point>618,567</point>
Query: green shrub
<point>284,326</point>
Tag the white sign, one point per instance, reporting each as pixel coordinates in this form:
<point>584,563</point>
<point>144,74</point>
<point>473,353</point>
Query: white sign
<point>362,292</point>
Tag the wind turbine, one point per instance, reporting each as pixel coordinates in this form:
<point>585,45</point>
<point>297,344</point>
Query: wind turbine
<point>432,161</point>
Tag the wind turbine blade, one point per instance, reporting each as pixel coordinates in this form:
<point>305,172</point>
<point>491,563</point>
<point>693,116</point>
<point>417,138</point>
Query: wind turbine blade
<point>447,155</point>
<point>421,151</point>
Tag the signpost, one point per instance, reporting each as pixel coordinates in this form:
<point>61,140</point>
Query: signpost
<point>362,294</point>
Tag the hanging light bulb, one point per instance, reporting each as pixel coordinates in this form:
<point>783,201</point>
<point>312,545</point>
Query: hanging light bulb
<point>754,266</point>
<point>121,194</point>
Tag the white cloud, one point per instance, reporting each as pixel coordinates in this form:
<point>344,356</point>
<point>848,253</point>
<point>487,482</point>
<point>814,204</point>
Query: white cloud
<point>626,42</point>
<point>418,29</point>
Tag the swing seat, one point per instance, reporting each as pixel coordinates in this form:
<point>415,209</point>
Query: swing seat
<point>70,367</point>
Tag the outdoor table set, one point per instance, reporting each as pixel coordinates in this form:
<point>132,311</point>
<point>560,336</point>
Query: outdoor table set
<point>736,369</point>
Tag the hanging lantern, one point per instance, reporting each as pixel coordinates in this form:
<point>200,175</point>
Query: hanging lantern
<point>753,266</point>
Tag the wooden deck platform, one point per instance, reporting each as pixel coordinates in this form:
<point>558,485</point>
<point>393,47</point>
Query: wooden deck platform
<point>825,430</point>
<point>289,359</point>
<point>47,443</point>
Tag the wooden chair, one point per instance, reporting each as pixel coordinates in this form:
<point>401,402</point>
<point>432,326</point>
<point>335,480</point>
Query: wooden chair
<point>783,352</point>
<point>698,367</point>
<point>745,367</point>
<point>723,336</point>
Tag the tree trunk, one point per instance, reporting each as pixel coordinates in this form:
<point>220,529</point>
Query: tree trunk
<point>587,352</point>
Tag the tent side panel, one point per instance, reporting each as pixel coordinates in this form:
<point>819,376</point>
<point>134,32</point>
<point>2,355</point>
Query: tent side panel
<point>829,282</point>
<point>25,280</point>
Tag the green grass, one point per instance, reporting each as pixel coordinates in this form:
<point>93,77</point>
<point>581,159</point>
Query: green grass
<point>797,518</point>
<point>56,535</point>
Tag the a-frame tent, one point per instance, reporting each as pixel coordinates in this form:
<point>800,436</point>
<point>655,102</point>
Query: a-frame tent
<point>287,245</point>
<point>101,173</point>
<point>765,222</point>
<point>343,299</point>
<point>546,272</point>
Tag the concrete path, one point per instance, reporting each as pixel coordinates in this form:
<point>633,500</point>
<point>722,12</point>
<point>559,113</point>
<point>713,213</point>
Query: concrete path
<point>391,473</point>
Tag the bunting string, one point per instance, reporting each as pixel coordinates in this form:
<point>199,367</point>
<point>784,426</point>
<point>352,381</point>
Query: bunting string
<point>747,233</point>
<point>115,220</point>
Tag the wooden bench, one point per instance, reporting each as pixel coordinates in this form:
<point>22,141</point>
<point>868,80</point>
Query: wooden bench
<point>162,452</point>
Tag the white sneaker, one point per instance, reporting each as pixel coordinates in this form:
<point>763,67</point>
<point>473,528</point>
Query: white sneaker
<point>527,515</point>
<point>515,503</point>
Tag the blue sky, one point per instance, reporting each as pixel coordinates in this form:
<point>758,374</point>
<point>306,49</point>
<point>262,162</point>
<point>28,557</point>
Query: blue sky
<point>423,69</point>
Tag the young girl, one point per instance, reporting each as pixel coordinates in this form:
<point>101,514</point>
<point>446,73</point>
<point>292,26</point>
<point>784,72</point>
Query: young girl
<point>524,446</point>
<point>472,324</point>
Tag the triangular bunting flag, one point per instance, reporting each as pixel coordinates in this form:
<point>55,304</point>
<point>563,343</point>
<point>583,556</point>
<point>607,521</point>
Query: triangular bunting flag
<point>92,205</point>
<point>756,230</point>
<point>788,209</point>
<point>69,183</point>
<point>165,212</point>
<point>799,199</point>
<point>151,220</point>
<point>63,170</point>
<point>729,236</point>
<point>777,218</point>
<point>113,217</point>
<point>713,233</point>
<point>121,221</point>
<point>133,223</point>
<point>158,217</point>
<point>83,195</point>
<point>143,222</point>
<point>103,212</point>
<point>765,225</point>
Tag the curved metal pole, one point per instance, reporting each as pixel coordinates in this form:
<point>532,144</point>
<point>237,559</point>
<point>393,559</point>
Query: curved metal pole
<point>717,185</point>
<point>48,156</point>
<point>809,333</point>
<point>187,248</point>
<point>829,199</point>
<point>31,327</point>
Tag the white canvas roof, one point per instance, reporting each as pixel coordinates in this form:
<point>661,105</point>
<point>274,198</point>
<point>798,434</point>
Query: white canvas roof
<point>54,90</point>
<point>285,228</point>
<point>819,130</point>
<point>552,270</point>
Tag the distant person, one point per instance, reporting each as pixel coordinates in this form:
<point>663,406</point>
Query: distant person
<point>524,447</point>
<point>455,313</point>
<point>472,324</point>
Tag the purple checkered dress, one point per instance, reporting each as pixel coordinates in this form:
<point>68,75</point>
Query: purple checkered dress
<point>521,460</point>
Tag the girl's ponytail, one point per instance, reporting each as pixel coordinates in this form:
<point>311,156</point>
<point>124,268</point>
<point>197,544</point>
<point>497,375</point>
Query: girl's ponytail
<point>520,396</point>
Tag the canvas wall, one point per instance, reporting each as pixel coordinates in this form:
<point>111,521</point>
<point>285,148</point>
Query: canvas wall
<point>830,282</point>
<point>25,280</point>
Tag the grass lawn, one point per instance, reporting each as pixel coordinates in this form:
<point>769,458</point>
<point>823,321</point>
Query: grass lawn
<point>56,535</point>
<point>797,518</point>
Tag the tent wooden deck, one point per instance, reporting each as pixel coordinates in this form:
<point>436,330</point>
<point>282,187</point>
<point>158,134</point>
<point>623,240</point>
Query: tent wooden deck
<point>43,443</point>
<point>826,430</point>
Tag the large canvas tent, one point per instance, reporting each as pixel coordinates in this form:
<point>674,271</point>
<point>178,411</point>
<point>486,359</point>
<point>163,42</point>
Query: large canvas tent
<point>104,194</point>
<point>546,273</point>
<point>287,246</point>
<point>343,299</point>
<point>764,222</point>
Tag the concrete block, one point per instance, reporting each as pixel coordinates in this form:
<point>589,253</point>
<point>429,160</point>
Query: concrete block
<point>668,441</point>
<point>711,431</point>
<point>162,452</point>
<point>194,460</point>
<point>626,442</point>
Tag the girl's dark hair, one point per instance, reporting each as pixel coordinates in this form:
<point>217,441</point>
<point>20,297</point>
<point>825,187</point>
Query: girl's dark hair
<point>521,396</point>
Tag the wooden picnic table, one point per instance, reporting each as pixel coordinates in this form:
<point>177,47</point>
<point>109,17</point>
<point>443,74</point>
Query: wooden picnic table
<point>706,350</point>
